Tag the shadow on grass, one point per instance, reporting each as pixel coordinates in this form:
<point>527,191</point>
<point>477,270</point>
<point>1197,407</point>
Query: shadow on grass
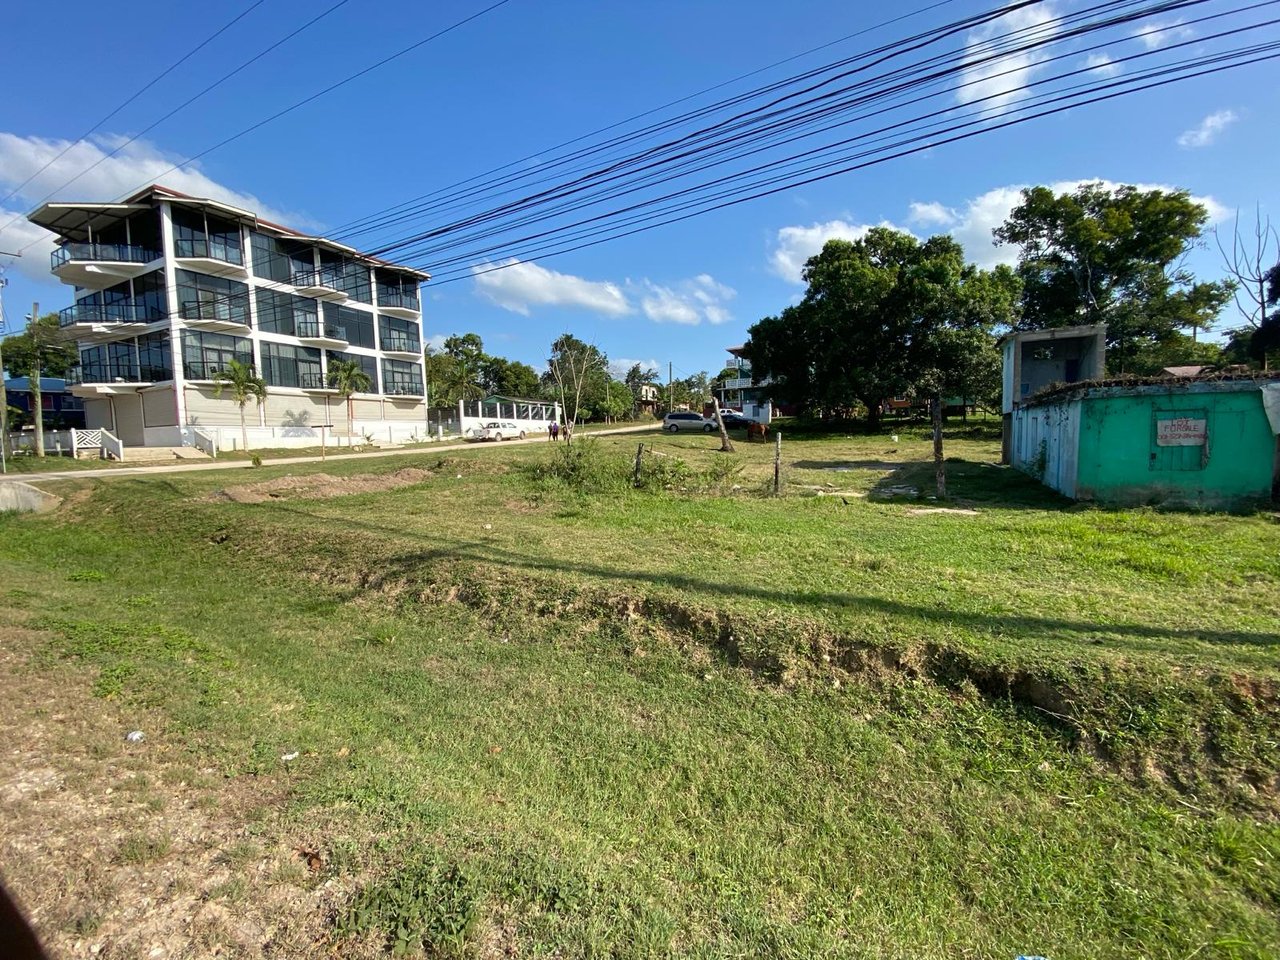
<point>973,483</point>
<point>447,549</point>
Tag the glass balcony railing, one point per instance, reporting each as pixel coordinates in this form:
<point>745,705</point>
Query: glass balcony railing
<point>212,249</point>
<point>231,310</point>
<point>104,373</point>
<point>401,343</point>
<point>311,380</point>
<point>406,389</point>
<point>396,297</point>
<point>315,330</point>
<point>326,277</point>
<point>207,369</point>
<point>123,311</point>
<point>102,252</point>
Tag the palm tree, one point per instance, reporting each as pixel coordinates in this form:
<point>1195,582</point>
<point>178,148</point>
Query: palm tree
<point>245,385</point>
<point>348,377</point>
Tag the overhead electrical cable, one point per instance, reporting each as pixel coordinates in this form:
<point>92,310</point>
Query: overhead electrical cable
<point>128,100</point>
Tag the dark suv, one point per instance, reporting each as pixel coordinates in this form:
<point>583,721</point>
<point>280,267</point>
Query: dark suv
<point>679,420</point>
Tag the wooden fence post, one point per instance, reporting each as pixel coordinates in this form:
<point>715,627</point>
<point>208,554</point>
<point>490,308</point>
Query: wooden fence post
<point>635,480</point>
<point>777,462</point>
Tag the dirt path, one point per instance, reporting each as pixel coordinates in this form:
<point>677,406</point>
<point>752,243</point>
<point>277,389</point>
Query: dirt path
<point>188,467</point>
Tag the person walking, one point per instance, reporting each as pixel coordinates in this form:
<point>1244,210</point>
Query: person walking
<point>551,431</point>
<point>555,430</point>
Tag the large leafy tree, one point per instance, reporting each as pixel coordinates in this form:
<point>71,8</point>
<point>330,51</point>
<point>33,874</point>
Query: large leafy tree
<point>1104,255</point>
<point>38,351</point>
<point>882,316</point>
<point>509,378</point>
<point>1264,344</point>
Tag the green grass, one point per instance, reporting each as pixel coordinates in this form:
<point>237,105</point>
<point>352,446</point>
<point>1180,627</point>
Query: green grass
<point>693,723</point>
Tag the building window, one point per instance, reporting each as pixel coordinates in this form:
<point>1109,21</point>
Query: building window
<point>281,260</point>
<point>368,364</point>
<point>285,313</point>
<point>198,234</point>
<point>400,378</point>
<point>397,290</point>
<point>155,357</point>
<point>207,354</point>
<point>356,326</point>
<point>110,363</point>
<point>202,297</point>
<point>401,335</point>
<point>284,365</point>
<point>349,276</point>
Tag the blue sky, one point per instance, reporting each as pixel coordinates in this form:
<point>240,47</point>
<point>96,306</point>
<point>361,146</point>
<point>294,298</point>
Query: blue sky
<point>530,75</point>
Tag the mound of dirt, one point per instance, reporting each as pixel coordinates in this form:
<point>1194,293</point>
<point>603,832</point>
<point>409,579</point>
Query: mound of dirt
<point>318,486</point>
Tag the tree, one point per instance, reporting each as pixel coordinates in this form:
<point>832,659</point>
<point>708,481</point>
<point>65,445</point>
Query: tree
<point>348,378</point>
<point>869,327</point>
<point>245,385</point>
<point>38,351</point>
<point>573,367</point>
<point>438,371</point>
<point>1249,265</point>
<point>467,355</point>
<point>1102,255</point>
<point>1265,341</point>
<point>509,378</point>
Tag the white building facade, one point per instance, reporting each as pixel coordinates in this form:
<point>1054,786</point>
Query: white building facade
<point>170,288</point>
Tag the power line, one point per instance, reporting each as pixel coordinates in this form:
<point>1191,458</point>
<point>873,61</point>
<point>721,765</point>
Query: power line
<point>182,106</point>
<point>154,80</point>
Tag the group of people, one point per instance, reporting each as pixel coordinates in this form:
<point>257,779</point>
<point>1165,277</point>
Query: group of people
<point>554,430</point>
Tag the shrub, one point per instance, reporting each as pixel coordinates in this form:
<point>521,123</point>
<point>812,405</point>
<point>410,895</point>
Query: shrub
<point>583,466</point>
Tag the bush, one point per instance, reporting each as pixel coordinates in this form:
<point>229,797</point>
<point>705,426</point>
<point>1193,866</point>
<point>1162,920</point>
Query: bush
<point>583,466</point>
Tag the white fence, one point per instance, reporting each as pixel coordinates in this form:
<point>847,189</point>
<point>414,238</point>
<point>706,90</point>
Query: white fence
<point>56,442</point>
<point>530,416</point>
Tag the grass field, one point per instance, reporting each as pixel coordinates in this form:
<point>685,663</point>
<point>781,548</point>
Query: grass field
<point>538,712</point>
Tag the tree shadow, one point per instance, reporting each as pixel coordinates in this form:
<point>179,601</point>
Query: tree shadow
<point>1041,628</point>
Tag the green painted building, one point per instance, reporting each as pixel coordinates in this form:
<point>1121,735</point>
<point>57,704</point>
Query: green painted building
<point>1211,443</point>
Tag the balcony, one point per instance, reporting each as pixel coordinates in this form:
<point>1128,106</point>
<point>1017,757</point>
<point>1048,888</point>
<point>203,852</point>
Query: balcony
<point>321,284</point>
<point>402,346</point>
<point>208,370</point>
<point>314,383</point>
<point>99,321</point>
<point>96,266</point>
<point>406,390</point>
<point>216,315</point>
<point>214,257</point>
<point>102,381</point>
<point>397,303</point>
<point>327,336</point>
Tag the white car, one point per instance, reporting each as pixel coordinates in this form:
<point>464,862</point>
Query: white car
<point>498,430</point>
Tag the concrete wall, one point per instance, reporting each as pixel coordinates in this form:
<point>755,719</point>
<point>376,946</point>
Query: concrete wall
<point>25,498</point>
<point>97,414</point>
<point>1046,443</point>
<point>1121,460</point>
<point>130,426</point>
<point>160,407</point>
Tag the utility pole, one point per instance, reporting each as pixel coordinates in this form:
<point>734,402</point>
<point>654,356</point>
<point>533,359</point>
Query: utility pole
<point>670,390</point>
<point>4,395</point>
<point>33,381</point>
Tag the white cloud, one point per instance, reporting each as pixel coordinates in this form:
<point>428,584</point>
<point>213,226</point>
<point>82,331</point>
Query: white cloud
<point>1102,65</point>
<point>689,302</point>
<point>797,244</point>
<point>519,286</point>
<point>931,214</point>
<point>995,80</point>
<point>1157,34</point>
<point>619,366</point>
<point>436,343</point>
<point>1208,129</point>
<point>136,165</point>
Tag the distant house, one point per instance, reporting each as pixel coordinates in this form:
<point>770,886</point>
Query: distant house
<point>649,398</point>
<point>744,392</point>
<point>59,408</point>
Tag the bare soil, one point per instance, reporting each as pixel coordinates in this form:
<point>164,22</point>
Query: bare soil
<point>119,849</point>
<point>318,486</point>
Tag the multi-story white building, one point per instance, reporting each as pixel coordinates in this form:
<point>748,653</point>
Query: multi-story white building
<point>169,288</point>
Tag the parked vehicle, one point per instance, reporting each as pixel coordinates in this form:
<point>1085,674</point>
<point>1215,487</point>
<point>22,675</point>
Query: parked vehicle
<point>733,420</point>
<point>678,420</point>
<point>498,430</point>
